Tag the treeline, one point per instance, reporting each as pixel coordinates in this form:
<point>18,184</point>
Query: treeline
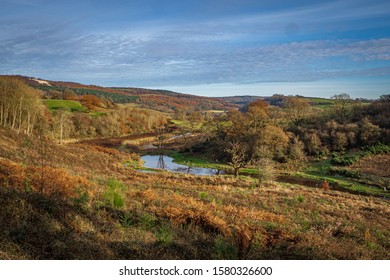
<point>22,110</point>
<point>56,91</point>
<point>124,119</point>
<point>261,133</point>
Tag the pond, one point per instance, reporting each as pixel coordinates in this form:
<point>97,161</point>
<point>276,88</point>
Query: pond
<point>166,163</point>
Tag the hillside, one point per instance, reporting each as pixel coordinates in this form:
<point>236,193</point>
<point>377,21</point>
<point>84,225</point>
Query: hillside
<point>161,100</point>
<point>82,202</point>
<point>278,182</point>
<point>275,100</point>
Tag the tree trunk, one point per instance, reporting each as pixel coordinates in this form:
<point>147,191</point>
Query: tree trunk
<point>20,115</point>
<point>61,126</point>
<point>28,122</point>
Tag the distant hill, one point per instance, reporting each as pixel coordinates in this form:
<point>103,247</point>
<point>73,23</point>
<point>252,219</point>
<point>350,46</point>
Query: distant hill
<point>161,100</point>
<point>239,101</point>
<point>274,100</point>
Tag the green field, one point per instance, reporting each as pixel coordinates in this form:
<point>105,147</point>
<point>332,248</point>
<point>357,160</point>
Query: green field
<point>69,105</point>
<point>321,103</point>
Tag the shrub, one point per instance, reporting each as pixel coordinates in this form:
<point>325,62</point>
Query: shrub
<point>344,172</point>
<point>126,219</point>
<point>164,234</point>
<point>147,221</point>
<point>266,172</point>
<point>325,185</point>
<point>351,159</point>
<point>224,250</point>
<point>346,160</point>
<point>377,149</point>
<point>203,195</point>
<point>300,198</point>
<point>113,195</point>
<point>118,200</point>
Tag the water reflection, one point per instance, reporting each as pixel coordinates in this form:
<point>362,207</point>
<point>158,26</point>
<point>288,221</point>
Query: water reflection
<point>161,163</point>
<point>166,163</point>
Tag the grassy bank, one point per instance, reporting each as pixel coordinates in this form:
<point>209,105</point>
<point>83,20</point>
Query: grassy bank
<point>322,171</point>
<point>191,160</point>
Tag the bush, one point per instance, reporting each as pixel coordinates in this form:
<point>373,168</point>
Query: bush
<point>346,160</point>
<point>351,159</point>
<point>113,195</point>
<point>164,234</point>
<point>377,149</point>
<point>147,221</point>
<point>266,172</point>
<point>325,185</point>
<point>344,172</point>
<point>224,250</point>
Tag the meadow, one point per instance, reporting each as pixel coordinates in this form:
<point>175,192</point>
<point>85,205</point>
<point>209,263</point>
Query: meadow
<point>70,105</point>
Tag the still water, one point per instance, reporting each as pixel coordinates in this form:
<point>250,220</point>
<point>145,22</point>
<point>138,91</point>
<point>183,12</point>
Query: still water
<point>166,163</point>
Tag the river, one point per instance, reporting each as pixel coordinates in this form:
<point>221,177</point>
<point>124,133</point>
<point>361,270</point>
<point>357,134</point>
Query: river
<point>166,163</point>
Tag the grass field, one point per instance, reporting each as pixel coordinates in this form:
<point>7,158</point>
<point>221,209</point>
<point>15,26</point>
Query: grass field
<point>70,105</point>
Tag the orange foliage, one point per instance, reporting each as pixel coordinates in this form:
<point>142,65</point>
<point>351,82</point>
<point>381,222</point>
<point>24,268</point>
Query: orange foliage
<point>92,101</point>
<point>109,151</point>
<point>325,185</point>
<point>47,180</point>
<point>204,219</point>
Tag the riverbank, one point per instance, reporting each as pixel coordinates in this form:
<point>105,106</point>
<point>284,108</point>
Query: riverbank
<point>312,176</point>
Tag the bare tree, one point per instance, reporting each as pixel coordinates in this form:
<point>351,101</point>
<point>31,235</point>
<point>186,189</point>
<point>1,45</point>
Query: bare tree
<point>160,137</point>
<point>62,125</point>
<point>20,105</point>
<point>240,156</point>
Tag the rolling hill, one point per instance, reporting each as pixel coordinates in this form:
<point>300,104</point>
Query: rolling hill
<point>161,100</point>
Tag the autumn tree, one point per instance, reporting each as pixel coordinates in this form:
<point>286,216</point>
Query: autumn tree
<point>257,114</point>
<point>69,95</point>
<point>342,105</point>
<point>62,125</point>
<point>340,141</point>
<point>54,94</point>
<point>240,155</point>
<point>369,133</point>
<point>297,154</point>
<point>272,138</point>
<point>265,170</point>
<point>313,143</point>
<point>20,105</point>
<point>296,108</point>
<point>195,118</point>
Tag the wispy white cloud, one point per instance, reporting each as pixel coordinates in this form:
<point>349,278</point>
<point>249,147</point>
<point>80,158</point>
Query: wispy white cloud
<point>242,49</point>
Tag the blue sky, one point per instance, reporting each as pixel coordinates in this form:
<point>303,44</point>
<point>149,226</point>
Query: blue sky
<point>212,48</point>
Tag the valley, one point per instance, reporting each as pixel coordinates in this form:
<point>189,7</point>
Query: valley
<point>299,178</point>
